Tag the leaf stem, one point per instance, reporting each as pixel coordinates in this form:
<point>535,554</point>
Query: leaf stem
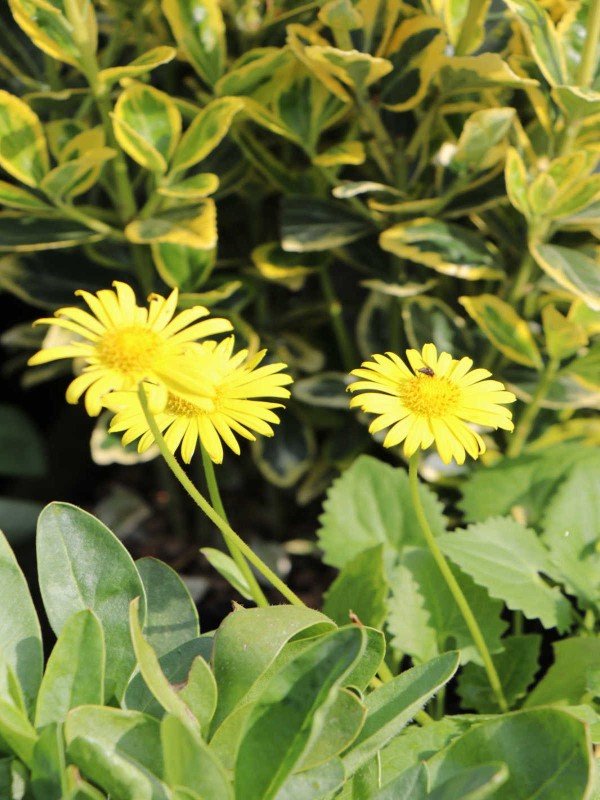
<point>587,66</point>
<point>453,585</point>
<point>525,423</point>
<point>217,504</point>
<point>226,530</point>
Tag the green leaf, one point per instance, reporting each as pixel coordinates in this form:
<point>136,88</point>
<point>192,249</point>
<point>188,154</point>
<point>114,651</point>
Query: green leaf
<point>577,101</point>
<point>564,337</point>
<point>541,37</point>
<point>228,569</point>
<point>248,641</point>
<point>445,247</point>
<point>423,616</point>
<point>48,768</point>
<point>18,519</point>
<point>360,590</point>
<point>74,673</point>
<point>199,30</point>
<point>313,784</point>
<point>344,153</point>
<point>369,664</point>
<point>314,224</point>
<point>289,712</point>
<point>23,151</point>
<point>571,269</point>
<point>139,66</point>
<point>569,681</point>
<point>504,328</point>
<point>372,501</point>
<point>77,175</point>
<point>19,437</point>
<point>409,785</point>
<point>515,175</point>
<point>29,234</point>
<point>391,707</point>
<point>353,68</point>
<point>15,197</point>
<point>189,762</point>
<point>171,614</point>
<point>81,564</point>
<point>147,124</point>
<point>191,189</point>
<point>343,719</point>
<point>285,457</point>
<point>543,749</point>
<point>20,635</point>
<point>16,730</point>
<point>325,390</point>
<point>571,532</point>
<point>200,693</point>
<point>206,132</point>
<point>120,751</point>
<point>486,71</point>
<point>507,559</point>
<point>194,227</point>
<point>288,269</point>
<point>49,26</point>
<point>183,267</point>
<point>473,783</point>
<point>516,666</point>
<point>175,666</point>
<point>586,368</point>
<point>482,140</point>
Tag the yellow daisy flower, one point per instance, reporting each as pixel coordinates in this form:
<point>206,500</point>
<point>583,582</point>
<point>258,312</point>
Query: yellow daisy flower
<point>122,343</point>
<point>432,403</point>
<point>227,399</point>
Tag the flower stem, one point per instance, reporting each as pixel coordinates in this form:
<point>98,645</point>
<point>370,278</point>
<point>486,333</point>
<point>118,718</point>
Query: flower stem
<point>217,504</point>
<point>453,585</point>
<point>588,59</point>
<point>525,424</point>
<point>227,531</point>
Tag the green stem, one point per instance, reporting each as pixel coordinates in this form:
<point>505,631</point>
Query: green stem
<point>453,585</point>
<point>382,146</point>
<point>227,531</point>
<point>217,504</point>
<point>527,419</point>
<point>337,320</point>
<point>587,66</point>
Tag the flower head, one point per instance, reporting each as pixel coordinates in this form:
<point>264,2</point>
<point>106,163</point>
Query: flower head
<point>432,403</point>
<point>224,395</point>
<point>122,343</point>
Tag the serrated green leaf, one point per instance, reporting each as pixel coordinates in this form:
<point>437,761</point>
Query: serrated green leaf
<point>569,679</point>
<point>370,505</point>
<point>443,246</point>
<point>508,560</point>
<point>504,328</point>
<point>516,666</point>
<point>360,589</point>
<point>423,617</point>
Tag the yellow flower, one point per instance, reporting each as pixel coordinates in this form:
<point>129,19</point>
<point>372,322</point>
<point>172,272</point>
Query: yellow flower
<point>431,404</point>
<point>226,400</point>
<point>122,343</point>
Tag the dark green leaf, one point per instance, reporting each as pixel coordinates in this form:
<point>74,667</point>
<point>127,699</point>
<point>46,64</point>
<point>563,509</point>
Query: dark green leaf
<point>313,224</point>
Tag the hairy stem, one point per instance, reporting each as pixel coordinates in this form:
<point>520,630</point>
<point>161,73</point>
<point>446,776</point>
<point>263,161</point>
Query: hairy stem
<point>226,530</point>
<point>453,585</point>
<point>215,498</point>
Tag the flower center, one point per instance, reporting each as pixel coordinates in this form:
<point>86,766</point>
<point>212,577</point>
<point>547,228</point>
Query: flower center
<point>180,407</point>
<point>429,396</point>
<point>131,350</point>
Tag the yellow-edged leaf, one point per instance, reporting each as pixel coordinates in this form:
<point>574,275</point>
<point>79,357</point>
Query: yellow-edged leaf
<point>60,132</point>
<point>504,328</point>
<point>198,230</point>
<point>344,153</point>
<point>199,30</point>
<point>15,197</point>
<point>140,66</point>
<point>185,268</point>
<point>82,143</point>
<point>356,70</point>
<point>572,269</point>
<point>46,24</point>
<point>195,188</point>
<point>289,269</point>
<point>76,176</point>
<point>515,175</point>
<point>541,37</point>
<point>206,131</point>
<point>23,150</point>
<point>482,140</point>
<point>563,336</point>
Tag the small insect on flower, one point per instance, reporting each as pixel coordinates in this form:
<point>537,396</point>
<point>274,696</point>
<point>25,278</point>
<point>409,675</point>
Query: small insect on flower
<point>431,403</point>
<point>121,343</point>
<point>228,398</point>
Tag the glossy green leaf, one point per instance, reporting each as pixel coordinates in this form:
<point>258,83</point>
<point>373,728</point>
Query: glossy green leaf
<point>360,590</point>
<point>570,679</point>
<point>577,101</point>
<point>344,153</point>
<point>18,435</point>
<point>48,767</point>
<point>49,25</point>
<point>391,707</point>
<point>288,269</point>
<point>516,666</point>
<point>504,328</point>
<point>23,151</point>
<point>509,559</point>
<point>74,674</point>
<point>571,269</point>
<point>248,641</point>
<point>81,564</point>
<point>189,763</point>
<point>191,189</point>
<point>191,227</point>
<point>460,74</point>
<point>186,268</point>
<point>313,224</point>
<point>541,748</point>
<point>147,125</point>
<point>443,246</point>
<point>16,730</point>
<point>372,500</point>
<point>29,234</point>
<point>76,176</point>
<point>20,635</point>
<point>423,617</point>
<point>541,37</point>
<point>343,719</point>
<point>199,30</point>
<point>206,132</point>
<point>120,751</point>
<point>171,614</point>
<point>354,69</point>
<point>481,141</point>
<point>139,66</point>
<point>285,717</point>
<point>16,197</point>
